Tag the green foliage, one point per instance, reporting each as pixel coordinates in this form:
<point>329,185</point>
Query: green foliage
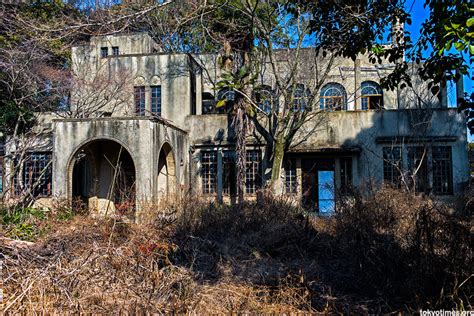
<point>23,223</point>
<point>11,114</point>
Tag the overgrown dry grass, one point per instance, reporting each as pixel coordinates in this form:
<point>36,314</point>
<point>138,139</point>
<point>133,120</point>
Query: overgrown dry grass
<point>389,253</point>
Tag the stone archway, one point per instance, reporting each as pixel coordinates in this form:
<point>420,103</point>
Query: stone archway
<point>102,176</point>
<point>166,182</point>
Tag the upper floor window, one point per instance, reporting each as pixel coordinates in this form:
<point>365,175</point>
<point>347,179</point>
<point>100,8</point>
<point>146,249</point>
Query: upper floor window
<point>265,98</point>
<point>156,100</point>
<point>333,97</point>
<point>301,98</point>
<point>104,52</point>
<point>139,100</point>
<point>115,51</point>
<point>371,96</point>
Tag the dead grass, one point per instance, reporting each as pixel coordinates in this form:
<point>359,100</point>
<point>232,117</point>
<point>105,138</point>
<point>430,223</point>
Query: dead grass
<point>389,253</point>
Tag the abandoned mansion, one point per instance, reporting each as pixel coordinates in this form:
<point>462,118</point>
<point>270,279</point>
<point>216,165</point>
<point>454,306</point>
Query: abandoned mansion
<point>142,125</point>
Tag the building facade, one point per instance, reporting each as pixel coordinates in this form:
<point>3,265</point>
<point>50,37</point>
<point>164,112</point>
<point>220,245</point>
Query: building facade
<point>143,125</point>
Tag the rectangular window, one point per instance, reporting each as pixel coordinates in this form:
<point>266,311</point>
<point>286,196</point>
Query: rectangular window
<point>115,51</point>
<point>36,175</point>
<point>345,164</point>
<point>326,194</point>
<point>253,178</point>
<point>442,170</point>
<point>193,93</point>
<point>2,154</point>
<point>229,172</point>
<point>209,172</point>
<point>104,52</point>
<point>418,167</point>
<point>140,100</point>
<point>156,100</point>
<point>291,185</point>
<point>392,163</point>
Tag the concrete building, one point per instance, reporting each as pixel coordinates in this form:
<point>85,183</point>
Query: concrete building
<point>143,125</point>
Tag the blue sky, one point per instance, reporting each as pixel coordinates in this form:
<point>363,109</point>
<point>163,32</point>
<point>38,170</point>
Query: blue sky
<point>419,15</point>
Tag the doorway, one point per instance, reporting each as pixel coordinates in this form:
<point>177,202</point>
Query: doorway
<point>318,183</point>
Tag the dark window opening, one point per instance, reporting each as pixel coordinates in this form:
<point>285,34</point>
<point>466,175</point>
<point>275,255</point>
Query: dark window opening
<point>229,173</point>
<point>442,170</point>
<point>418,167</point>
<point>140,100</point>
<point>156,100</point>
<point>2,154</point>
<point>115,51</point>
<point>291,185</point>
<point>253,179</point>
<point>193,93</point>
<point>104,52</point>
<point>392,164</point>
<point>345,164</point>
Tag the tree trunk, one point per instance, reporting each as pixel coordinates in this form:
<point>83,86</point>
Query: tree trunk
<point>278,155</point>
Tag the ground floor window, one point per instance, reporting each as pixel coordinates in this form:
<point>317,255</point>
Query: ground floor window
<point>345,165</point>
<point>427,167</point>
<point>2,154</point>
<point>36,174</point>
<point>442,170</point>
<point>291,183</point>
<point>209,171</point>
<point>392,164</point>
<point>253,179</point>
<point>318,185</point>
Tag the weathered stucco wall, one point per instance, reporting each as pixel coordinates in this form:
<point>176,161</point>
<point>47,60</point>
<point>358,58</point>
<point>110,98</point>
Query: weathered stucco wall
<point>141,137</point>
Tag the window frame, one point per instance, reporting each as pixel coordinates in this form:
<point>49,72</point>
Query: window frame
<point>115,51</point>
<point>156,108</point>
<point>291,176</point>
<point>391,175</point>
<point>139,100</point>
<point>208,177</point>
<point>369,98</point>
<point>104,52</point>
<point>253,176</point>
<point>446,166</point>
<point>325,98</point>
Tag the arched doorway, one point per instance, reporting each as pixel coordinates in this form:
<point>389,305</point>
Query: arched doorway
<point>103,177</point>
<point>166,181</point>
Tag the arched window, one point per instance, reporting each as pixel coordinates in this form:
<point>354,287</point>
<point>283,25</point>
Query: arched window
<point>301,98</point>
<point>266,98</point>
<point>333,97</point>
<point>371,96</point>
